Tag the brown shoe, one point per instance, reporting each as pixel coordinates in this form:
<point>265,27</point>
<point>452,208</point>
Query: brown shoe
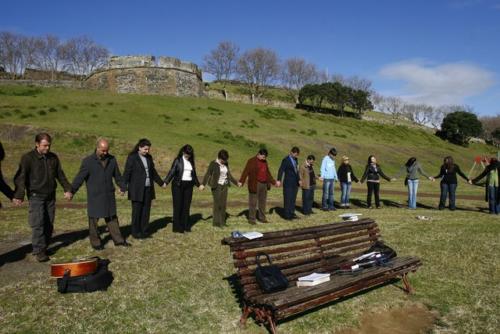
<point>42,257</point>
<point>266,222</point>
<point>252,222</point>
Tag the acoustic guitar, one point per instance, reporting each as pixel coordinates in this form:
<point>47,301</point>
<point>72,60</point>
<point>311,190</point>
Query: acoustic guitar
<point>75,268</point>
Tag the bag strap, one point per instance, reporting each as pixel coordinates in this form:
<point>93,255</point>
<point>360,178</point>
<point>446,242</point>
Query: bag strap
<point>65,280</point>
<point>257,258</point>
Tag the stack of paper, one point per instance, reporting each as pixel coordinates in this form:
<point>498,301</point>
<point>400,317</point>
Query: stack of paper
<point>313,279</point>
<point>252,235</point>
<point>350,217</point>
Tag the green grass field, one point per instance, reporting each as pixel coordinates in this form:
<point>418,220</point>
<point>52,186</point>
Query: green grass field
<point>178,283</point>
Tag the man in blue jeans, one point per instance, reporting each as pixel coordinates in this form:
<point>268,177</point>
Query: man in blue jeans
<point>328,174</point>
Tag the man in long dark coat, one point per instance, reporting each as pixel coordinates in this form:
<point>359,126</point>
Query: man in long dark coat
<point>98,171</point>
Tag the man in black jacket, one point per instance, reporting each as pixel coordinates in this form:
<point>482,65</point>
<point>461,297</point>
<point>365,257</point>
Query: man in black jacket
<point>4,187</point>
<point>290,169</point>
<point>139,174</point>
<point>98,171</point>
<point>37,174</point>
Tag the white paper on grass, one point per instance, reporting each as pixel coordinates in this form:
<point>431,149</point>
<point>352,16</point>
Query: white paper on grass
<point>313,277</point>
<point>252,235</point>
<point>350,214</point>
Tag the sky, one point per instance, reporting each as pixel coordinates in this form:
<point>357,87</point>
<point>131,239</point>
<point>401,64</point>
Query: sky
<point>435,52</point>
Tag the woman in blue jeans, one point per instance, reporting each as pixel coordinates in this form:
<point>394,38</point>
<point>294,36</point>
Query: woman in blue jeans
<point>412,169</point>
<point>492,174</point>
<point>346,176</point>
<point>448,175</point>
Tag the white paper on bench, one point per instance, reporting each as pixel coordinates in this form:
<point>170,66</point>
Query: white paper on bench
<point>252,235</point>
<point>313,277</point>
<point>313,283</point>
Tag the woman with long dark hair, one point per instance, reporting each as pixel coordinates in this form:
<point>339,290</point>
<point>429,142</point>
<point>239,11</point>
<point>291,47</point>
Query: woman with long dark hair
<point>492,173</point>
<point>219,178</point>
<point>139,175</point>
<point>448,174</point>
<point>372,175</point>
<point>183,177</point>
<point>412,169</point>
<point>4,187</point>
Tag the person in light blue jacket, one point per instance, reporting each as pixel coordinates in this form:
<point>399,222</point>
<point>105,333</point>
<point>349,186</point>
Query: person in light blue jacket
<point>328,174</point>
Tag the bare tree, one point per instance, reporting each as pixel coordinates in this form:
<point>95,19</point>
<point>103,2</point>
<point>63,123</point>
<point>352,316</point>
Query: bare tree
<point>420,114</point>
<point>82,55</point>
<point>394,107</point>
<point>221,62</point>
<point>356,82</point>
<point>321,77</point>
<point>258,68</point>
<point>11,58</point>
<point>490,125</point>
<point>377,101</point>
<point>49,54</point>
<point>296,73</point>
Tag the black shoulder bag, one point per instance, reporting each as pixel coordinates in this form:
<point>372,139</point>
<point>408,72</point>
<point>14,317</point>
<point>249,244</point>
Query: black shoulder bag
<point>100,280</point>
<point>270,278</point>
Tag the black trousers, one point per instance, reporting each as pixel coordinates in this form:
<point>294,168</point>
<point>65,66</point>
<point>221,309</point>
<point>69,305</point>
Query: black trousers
<point>140,214</point>
<point>182,195</point>
<point>289,199</point>
<point>41,219</point>
<point>373,187</point>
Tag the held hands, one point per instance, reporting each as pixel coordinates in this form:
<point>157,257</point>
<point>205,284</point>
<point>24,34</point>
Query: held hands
<point>201,187</point>
<point>278,184</point>
<point>68,196</point>
<point>121,192</point>
<point>469,181</point>
<point>393,179</point>
<point>17,202</point>
<point>432,179</point>
<point>164,185</point>
<point>240,184</point>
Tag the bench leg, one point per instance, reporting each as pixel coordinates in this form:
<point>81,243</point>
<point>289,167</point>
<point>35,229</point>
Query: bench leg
<point>272,324</point>
<point>407,286</point>
<point>244,316</point>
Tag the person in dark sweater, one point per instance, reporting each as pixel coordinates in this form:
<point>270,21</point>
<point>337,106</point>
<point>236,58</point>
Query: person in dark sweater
<point>37,174</point>
<point>4,187</point>
<point>346,177</point>
<point>308,184</point>
<point>492,173</point>
<point>139,177</point>
<point>183,177</point>
<point>448,174</point>
<point>219,178</point>
<point>372,175</point>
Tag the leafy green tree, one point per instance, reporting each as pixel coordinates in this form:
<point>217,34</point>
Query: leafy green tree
<point>459,126</point>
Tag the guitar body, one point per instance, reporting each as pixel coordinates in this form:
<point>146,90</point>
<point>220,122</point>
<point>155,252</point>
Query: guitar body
<point>76,268</point>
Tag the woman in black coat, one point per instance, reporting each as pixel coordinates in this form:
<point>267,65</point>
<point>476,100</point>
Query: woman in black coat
<point>183,178</point>
<point>448,174</point>
<point>4,187</point>
<point>372,175</point>
<point>139,177</point>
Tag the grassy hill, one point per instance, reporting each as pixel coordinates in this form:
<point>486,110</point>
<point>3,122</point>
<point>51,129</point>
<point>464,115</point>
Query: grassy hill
<point>178,283</point>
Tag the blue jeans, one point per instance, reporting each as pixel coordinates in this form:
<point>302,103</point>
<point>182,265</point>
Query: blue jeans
<point>346,192</point>
<point>327,200</point>
<point>448,189</point>
<point>307,200</point>
<point>412,193</point>
<point>493,200</point>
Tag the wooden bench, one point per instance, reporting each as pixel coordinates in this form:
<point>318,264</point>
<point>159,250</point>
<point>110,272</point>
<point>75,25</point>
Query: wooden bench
<point>302,251</point>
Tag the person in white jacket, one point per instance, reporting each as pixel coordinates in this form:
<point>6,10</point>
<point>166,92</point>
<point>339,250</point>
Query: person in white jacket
<point>328,174</point>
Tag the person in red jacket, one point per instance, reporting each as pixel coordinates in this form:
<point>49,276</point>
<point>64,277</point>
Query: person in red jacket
<point>259,182</point>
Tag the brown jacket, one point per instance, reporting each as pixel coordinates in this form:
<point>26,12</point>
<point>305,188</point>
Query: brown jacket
<point>305,182</point>
<point>250,171</point>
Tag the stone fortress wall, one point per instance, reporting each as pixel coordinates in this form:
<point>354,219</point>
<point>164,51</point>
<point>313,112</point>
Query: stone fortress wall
<point>148,75</point>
